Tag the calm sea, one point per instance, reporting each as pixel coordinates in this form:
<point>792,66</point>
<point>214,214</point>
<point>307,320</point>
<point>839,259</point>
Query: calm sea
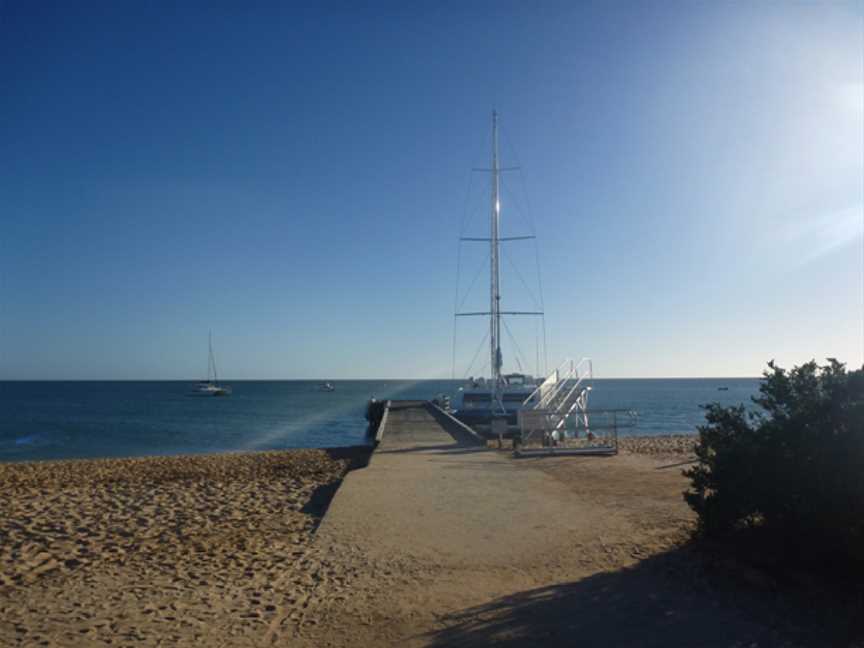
<point>58,420</point>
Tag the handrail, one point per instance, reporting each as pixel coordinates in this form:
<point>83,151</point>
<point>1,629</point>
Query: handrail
<point>566,398</point>
<point>561,382</point>
<point>379,433</point>
<point>575,387</point>
<point>545,380</point>
<point>559,385</point>
<point>562,394</point>
<point>563,388</point>
<point>578,403</point>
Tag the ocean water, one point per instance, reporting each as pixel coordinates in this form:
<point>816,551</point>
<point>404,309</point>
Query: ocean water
<point>59,420</point>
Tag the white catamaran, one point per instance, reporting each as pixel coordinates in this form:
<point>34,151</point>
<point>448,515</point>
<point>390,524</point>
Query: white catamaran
<point>211,386</point>
<point>501,396</point>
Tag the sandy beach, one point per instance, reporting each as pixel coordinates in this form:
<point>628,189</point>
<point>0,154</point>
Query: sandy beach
<point>179,550</point>
<point>232,550</point>
<point>160,550</point>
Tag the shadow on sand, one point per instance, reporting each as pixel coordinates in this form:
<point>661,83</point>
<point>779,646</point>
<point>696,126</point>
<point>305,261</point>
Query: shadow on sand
<point>662,601</point>
<point>356,457</point>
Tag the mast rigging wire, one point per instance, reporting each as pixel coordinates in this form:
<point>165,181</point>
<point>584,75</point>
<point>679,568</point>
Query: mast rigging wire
<point>516,346</point>
<point>476,353</point>
<point>536,247</point>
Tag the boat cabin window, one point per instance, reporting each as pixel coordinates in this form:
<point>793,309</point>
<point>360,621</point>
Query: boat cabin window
<point>475,398</point>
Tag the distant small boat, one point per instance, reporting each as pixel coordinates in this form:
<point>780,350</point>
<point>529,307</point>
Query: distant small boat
<point>211,386</point>
<point>209,389</point>
<point>328,387</point>
<point>722,389</point>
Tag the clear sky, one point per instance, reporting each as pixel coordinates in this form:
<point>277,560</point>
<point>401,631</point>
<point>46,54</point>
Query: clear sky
<point>296,179</point>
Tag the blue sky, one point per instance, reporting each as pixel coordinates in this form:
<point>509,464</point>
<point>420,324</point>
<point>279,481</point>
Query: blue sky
<point>296,179</point>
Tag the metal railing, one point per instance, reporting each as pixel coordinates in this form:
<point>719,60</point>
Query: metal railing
<point>562,394</point>
<point>585,432</point>
<point>569,374</point>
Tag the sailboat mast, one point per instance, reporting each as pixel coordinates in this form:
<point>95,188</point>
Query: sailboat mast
<point>495,296</point>
<point>211,362</point>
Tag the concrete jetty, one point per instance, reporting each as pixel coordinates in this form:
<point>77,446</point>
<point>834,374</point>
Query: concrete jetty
<point>422,424</point>
<point>433,491</point>
<point>421,490</point>
<point>456,544</point>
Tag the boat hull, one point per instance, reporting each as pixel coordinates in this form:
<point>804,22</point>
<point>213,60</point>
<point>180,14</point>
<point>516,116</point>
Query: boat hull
<point>210,391</point>
<point>481,422</point>
<point>472,404</point>
<point>483,417</point>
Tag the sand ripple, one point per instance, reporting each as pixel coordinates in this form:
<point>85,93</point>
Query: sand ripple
<point>167,548</point>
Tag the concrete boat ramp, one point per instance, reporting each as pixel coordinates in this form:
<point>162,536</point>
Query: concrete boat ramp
<point>432,490</point>
<point>442,524</point>
<point>454,544</point>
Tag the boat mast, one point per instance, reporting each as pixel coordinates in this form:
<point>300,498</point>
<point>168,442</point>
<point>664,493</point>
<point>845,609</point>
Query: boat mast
<point>211,361</point>
<point>495,296</point>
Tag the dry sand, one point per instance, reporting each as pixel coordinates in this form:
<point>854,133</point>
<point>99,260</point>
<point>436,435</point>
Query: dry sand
<point>161,551</point>
<point>226,551</point>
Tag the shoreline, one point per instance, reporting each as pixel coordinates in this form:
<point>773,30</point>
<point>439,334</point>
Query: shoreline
<point>674,443</point>
<point>125,505</point>
<point>660,445</point>
<point>349,449</point>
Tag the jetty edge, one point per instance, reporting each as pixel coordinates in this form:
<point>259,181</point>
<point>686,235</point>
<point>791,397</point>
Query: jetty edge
<point>400,422</point>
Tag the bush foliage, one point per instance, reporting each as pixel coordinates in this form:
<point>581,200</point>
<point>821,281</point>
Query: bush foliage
<point>791,469</point>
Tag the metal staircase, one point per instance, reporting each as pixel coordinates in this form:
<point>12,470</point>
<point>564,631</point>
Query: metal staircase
<point>562,397</point>
<point>555,418</point>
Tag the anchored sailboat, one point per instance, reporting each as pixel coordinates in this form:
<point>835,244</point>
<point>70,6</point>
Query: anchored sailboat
<point>555,407</point>
<point>501,396</point>
<point>211,386</point>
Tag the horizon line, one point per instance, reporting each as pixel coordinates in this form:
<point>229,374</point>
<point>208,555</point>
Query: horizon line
<point>353,379</point>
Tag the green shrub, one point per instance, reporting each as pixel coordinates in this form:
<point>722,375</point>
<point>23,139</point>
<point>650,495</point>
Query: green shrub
<point>792,470</point>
